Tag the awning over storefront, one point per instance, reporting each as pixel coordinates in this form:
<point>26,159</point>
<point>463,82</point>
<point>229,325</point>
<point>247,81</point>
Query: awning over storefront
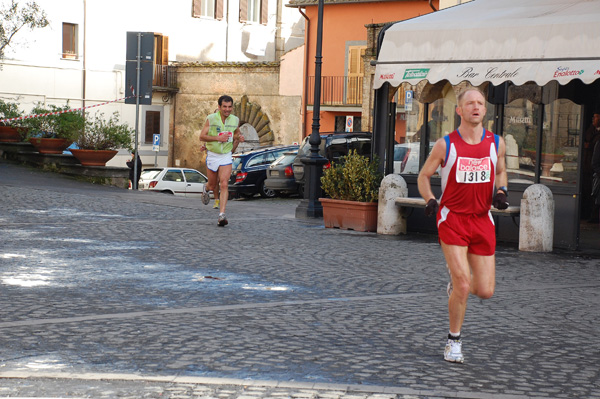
<point>495,41</point>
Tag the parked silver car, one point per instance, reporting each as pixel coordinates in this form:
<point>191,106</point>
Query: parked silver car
<point>183,182</point>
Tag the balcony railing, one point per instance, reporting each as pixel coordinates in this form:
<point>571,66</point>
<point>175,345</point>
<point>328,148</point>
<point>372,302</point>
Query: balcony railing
<point>337,90</point>
<point>164,77</point>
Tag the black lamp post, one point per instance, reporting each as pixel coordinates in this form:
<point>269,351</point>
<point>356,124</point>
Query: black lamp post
<point>310,206</point>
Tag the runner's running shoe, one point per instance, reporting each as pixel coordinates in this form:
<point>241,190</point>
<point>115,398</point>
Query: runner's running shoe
<point>205,197</point>
<point>222,220</point>
<point>216,205</point>
<point>453,351</point>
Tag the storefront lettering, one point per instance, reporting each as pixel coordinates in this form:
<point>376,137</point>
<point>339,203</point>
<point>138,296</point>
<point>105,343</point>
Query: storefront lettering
<point>468,73</point>
<point>418,73</point>
<point>520,119</point>
<point>493,74</point>
<point>387,76</point>
<point>565,71</point>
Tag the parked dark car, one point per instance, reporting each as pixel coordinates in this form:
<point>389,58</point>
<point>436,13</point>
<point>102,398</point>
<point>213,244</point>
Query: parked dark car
<point>249,171</point>
<point>334,145</point>
<point>280,175</point>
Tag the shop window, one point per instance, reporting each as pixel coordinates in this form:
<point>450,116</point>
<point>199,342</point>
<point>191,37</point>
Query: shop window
<point>69,41</point>
<point>207,9</point>
<point>340,124</point>
<point>560,154</point>
<point>254,11</point>
<point>520,135</point>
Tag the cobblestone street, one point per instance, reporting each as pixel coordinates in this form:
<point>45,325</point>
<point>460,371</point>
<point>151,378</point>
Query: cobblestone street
<point>113,293</point>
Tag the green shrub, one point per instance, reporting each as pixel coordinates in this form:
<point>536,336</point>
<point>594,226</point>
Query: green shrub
<point>105,134</point>
<point>64,125</point>
<point>354,178</point>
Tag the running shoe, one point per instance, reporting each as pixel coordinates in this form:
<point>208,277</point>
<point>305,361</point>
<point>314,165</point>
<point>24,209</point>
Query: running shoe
<point>205,196</point>
<point>222,221</point>
<point>449,287</point>
<point>216,205</point>
<point>453,351</point>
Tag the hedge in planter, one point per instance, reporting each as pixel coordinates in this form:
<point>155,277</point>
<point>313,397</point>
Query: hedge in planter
<point>353,188</point>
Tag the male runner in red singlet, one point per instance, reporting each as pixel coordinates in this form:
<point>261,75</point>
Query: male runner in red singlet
<point>474,177</point>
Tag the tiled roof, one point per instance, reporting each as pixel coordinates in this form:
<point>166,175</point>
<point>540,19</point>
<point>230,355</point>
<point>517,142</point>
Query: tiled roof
<point>304,3</point>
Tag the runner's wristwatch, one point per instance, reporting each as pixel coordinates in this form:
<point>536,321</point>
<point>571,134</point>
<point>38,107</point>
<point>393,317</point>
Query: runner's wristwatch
<point>504,189</point>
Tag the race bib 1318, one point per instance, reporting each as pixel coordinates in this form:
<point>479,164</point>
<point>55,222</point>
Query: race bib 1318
<point>474,170</point>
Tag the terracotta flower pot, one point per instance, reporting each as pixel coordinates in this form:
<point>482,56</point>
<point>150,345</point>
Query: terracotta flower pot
<point>50,146</point>
<point>9,134</point>
<point>93,157</point>
<point>349,215</point>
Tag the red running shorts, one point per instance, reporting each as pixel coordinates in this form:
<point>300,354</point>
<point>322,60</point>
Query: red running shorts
<point>477,232</point>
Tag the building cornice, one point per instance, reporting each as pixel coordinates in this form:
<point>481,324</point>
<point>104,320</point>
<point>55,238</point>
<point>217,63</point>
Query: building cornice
<point>307,3</point>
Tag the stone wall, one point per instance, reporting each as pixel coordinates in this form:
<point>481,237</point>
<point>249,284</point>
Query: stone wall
<point>200,85</point>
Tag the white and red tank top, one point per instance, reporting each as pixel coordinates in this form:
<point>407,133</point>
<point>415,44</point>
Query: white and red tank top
<point>468,173</point>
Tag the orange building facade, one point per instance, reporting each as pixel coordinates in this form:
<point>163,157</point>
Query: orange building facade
<point>344,43</point>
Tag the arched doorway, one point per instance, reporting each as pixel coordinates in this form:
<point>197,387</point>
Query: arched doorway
<point>254,125</point>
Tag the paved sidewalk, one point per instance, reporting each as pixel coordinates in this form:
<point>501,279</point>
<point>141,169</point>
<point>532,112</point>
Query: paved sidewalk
<point>110,293</point>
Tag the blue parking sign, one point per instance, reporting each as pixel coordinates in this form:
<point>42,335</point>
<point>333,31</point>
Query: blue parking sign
<point>156,142</point>
<point>408,100</point>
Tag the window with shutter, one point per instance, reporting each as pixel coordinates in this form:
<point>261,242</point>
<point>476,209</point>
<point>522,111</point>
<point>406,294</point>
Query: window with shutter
<point>161,60</point>
<point>244,10</point>
<point>219,9</point>
<point>152,126</point>
<point>264,12</point>
<point>207,8</point>
<point>254,11</point>
<point>355,74</point>
<point>69,41</point>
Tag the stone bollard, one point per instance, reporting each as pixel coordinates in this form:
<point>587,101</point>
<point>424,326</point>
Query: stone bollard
<point>389,218</point>
<point>536,231</point>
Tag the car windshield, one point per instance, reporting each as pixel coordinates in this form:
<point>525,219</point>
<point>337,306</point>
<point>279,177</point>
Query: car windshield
<point>236,164</point>
<point>285,159</point>
<point>192,176</point>
<point>304,150</point>
<point>150,174</point>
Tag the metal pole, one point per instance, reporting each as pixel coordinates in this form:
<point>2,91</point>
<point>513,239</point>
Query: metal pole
<point>310,206</point>
<point>134,184</point>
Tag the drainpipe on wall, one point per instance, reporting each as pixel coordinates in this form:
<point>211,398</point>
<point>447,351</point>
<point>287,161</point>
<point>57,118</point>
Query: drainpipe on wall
<point>84,56</point>
<point>227,34</point>
<point>432,7</point>
<point>304,106</point>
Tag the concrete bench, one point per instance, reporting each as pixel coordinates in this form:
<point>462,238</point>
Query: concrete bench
<point>418,202</point>
<point>536,213</point>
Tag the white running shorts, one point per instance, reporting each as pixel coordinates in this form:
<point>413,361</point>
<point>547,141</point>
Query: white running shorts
<point>214,160</point>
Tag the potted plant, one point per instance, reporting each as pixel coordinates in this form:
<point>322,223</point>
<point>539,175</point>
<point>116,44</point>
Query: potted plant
<point>353,189</point>
<point>53,132</point>
<point>10,132</point>
<point>101,139</point>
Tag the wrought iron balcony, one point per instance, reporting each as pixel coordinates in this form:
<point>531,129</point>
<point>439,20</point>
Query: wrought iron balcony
<point>165,78</point>
<point>337,90</point>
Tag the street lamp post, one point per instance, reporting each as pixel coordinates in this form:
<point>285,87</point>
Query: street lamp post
<point>310,206</point>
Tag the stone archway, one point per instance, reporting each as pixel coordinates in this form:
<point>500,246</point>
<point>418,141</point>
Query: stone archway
<point>255,122</point>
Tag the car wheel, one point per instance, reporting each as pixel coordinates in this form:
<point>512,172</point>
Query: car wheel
<point>168,192</point>
<point>264,191</point>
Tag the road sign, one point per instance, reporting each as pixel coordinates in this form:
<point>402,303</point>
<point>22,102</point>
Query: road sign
<point>408,100</point>
<point>349,123</point>
<point>156,142</point>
